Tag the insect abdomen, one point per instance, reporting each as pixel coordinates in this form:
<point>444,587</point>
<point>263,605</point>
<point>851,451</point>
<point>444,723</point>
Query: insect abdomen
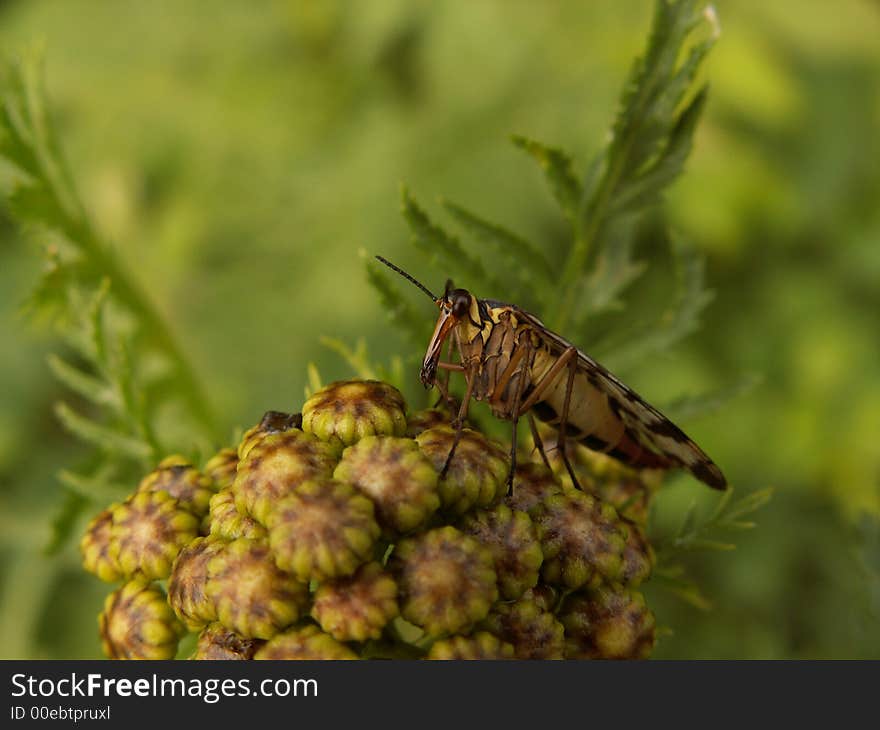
<point>593,421</point>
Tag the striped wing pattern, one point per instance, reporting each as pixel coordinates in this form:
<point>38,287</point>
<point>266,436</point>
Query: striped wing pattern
<point>645,438</point>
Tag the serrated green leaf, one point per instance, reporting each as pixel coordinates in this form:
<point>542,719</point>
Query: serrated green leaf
<point>65,520</point>
<point>45,196</point>
<point>96,488</point>
<point>102,436</point>
<point>613,272</point>
<point>697,544</point>
<point>649,142</point>
<point>399,309</point>
<point>558,172</point>
<point>749,504</point>
<point>690,519</point>
<point>646,188</point>
<point>527,260</point>
<point>86,385</point>
<point>443,247</point>
<point>671,579</point>
<point>678,321</point>
<point>696,535</point>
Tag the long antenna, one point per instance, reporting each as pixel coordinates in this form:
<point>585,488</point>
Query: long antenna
<point>407,276</point>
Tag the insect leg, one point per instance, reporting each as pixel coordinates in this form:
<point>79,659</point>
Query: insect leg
<point>520,385</point>
<point>521,352</point>
<point>539,443</point>
<point>458,422</point>
<point>443,385</point>
<point>560,442</point>
<point>549,378</point>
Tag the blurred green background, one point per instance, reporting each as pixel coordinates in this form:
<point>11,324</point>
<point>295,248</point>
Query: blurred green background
<point>241,156</point>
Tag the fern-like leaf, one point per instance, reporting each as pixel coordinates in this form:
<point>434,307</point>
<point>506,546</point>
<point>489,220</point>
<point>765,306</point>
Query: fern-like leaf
<point>649,142</point>
<point>558,171</point>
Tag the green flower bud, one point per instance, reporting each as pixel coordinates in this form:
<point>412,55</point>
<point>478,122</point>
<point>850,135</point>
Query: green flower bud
<point>188,583</point>
<point>97,557</point>
<point>137,623</point>
<point>543,596</point>
<point>252,596</point>
<point>226,521</point>
<point>306,643</point>
<point>428,418</point>
<point>324,529</point>
<point>175,475</point>
<point>532,484</point>
<point>395,475</point>
<point>609,622</point>
<point>638,555</point>
<point>446,580</point>
<point>628,490</point>
<point>481,645</point>
<point>359,607</point>
<point>149,530</point>
<point>218,642</point>
<point>533,632</point>
<point>516,552</point>
<point>221,468</point>
<point>274,465</point>
<point>346,411</point>
<point>271,422</point>
<point>580,538</point>
<point>477,474</point>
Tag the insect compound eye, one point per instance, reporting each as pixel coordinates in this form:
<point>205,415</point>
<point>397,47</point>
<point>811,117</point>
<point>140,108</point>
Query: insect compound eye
<point>461,305</point>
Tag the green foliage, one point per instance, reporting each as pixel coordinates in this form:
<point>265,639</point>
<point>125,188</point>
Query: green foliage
<point>579,279</point>
<point>224,187</point>
<point>704,534</point>
<point>123,365</point>
<point>649,143</point>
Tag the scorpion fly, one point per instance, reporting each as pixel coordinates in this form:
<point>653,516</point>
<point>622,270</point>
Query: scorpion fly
<point>510,360</point>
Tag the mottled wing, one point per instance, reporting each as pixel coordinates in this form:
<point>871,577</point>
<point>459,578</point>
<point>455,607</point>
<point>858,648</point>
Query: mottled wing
<point>647,438</point>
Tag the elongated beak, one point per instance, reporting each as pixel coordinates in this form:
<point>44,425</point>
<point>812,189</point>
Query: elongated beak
<point>444,325</point>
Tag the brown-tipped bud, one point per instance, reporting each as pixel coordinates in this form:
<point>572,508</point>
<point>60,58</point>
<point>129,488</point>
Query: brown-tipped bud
<point>97,558</point>
<point>425,419</point>
<point>346,411</point>
<point>609,622</point>
<point>627,490</point>
<point>221,468</point>
<point>359,607</point>
<point>252,596</point>
<point>510,537</point>
<point>227,522</point>
<point>580,539</point>
<point>306,643</point>
<point>394,474</point>
<point>543,596</point>
<point>175,475</point>
<point>532,484</point>
<point>324,529</point>
<point>149,530</point>
<point>638,556</point>
<point>477,473</point>
<point>188,583</point>
<point>481,645</point>
<point>533,632</point>
<point>271,422</point>
<point>273,467</point>
<point>137,623</point>
<point>446,580</point>
<point>218,642</point>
